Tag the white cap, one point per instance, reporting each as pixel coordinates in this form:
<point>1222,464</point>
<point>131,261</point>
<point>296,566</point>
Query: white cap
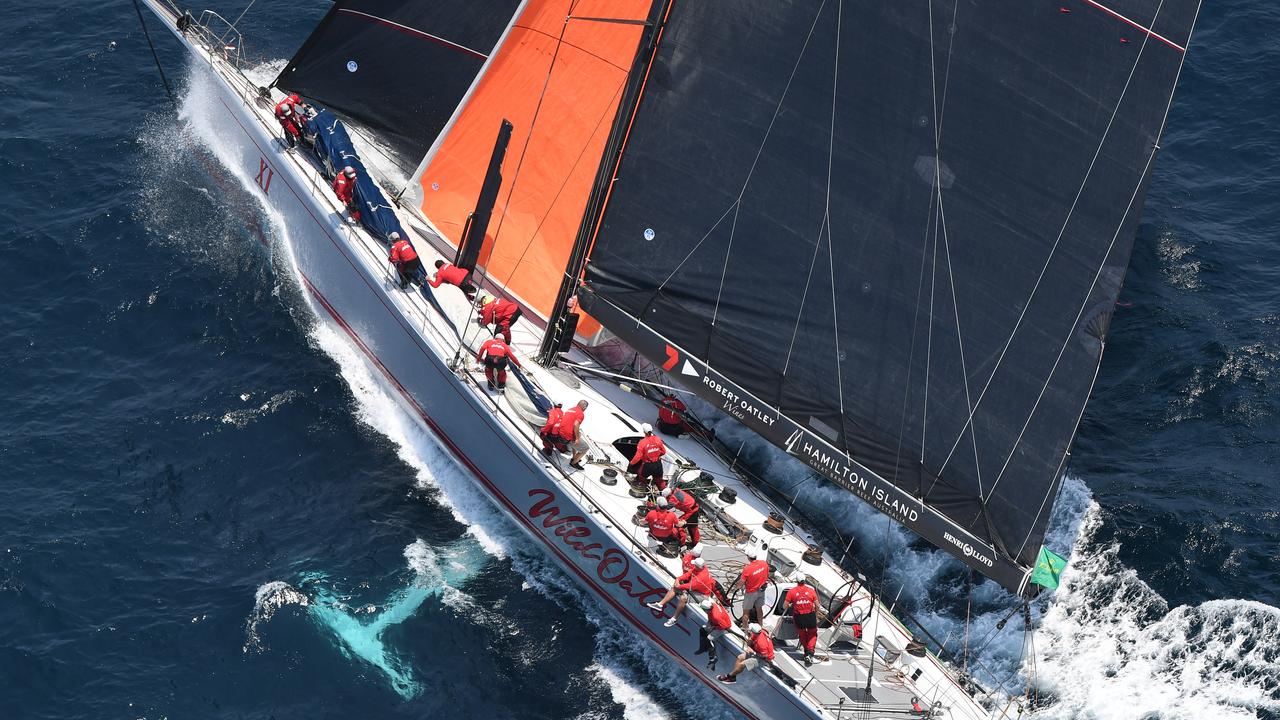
<point>753,553</point>
<point>753,628</point>
<point>348,170</point>
<point>646,428</point>
<point>696,550</point>
<point>799,577</point>
<point>287,109</point>
<point>666,492</point>
<point>662,502</point>
<point>394,235</point>
<point>699,563</point>
<point>706,603</point>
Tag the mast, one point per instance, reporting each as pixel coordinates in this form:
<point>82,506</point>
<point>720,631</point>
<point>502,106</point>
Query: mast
<point>627,107</point>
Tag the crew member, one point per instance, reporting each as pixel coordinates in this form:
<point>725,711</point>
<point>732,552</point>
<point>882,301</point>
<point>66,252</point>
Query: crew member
<point>697,580</point>
<point>550,431</point>
<point>454,275</point>
<point>687,509</point>
<point>671,416</point>
<point>718,623</point>
<point>494,354</point>
<point>648,458</point>
<point>344,186</point>
<point>290,113</point>
<point>661,522</point>
<point>802,601</point>
<point>570,431</point>
<point>755,575</point>
<point>759,649</point>
<point>405,258</point>
<point>686,561</point>
<point>502,314</point>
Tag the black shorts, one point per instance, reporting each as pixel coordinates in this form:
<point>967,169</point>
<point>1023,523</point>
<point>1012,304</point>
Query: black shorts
<point>807,620</point>
<point>497,363</point>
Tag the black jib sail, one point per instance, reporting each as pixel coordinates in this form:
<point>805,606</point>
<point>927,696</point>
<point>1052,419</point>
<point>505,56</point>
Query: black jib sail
<point>889,237</point>
<point>397,67</point>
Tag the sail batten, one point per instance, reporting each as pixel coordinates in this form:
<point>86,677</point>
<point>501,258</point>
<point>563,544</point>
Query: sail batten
<point>767,218</point>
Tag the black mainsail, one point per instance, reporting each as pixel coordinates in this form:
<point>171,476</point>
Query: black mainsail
<point>398,67</point>
<point>889,237</point>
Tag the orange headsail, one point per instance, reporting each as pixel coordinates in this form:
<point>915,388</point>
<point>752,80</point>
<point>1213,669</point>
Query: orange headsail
<point>558,79</point>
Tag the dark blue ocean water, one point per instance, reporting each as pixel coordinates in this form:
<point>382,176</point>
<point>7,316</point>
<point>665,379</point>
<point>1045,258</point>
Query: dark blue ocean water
<point>181,445</point>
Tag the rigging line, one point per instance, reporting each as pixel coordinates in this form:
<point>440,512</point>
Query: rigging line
<point>167,90</point>
<point>533,123</point>
<point>1103,262</point>
<point>795,331</point>
<point>759,151</point>
<point>928,352</point>
<point>946,245</point>
<point>831,257</point>
<point>1017,325</point>
<point>241,15</point>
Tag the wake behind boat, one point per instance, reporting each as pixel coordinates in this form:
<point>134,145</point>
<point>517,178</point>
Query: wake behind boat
<point>615,104</point>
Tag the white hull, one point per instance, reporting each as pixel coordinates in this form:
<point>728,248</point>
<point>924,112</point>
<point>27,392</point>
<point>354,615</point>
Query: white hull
<point>346,273</point>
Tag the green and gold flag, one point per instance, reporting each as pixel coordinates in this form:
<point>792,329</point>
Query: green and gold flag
<point>1048,566</point>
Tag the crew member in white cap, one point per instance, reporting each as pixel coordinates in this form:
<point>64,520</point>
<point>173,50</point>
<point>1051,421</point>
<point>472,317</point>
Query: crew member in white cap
<point>718,623</point>
<point>686,508</point>
<point>648,458</point>
<point>759,649</point>
<point>698,581</point>
<point>802,600</point>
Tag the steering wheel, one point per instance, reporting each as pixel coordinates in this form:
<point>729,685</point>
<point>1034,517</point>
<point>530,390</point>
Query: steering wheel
<point>842,600</point>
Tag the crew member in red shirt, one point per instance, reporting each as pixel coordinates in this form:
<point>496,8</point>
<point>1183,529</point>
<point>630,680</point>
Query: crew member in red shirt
<point>759,649</point>
<point>344,186</point>
<point>661,521</point>
<point>755,576</point>
<point>802,601</point>
<point>696,580</point>
<point>405,258</point>
<point>648,458</point>
<point>671,416</point>
<point>550,432</point>
<point>291,114</point>
<point>454,275</point>
<point>718,623</point>
<point>502,314</point>
<point>687,510</point>
<point>570,433</point>
<point>495,354</point>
